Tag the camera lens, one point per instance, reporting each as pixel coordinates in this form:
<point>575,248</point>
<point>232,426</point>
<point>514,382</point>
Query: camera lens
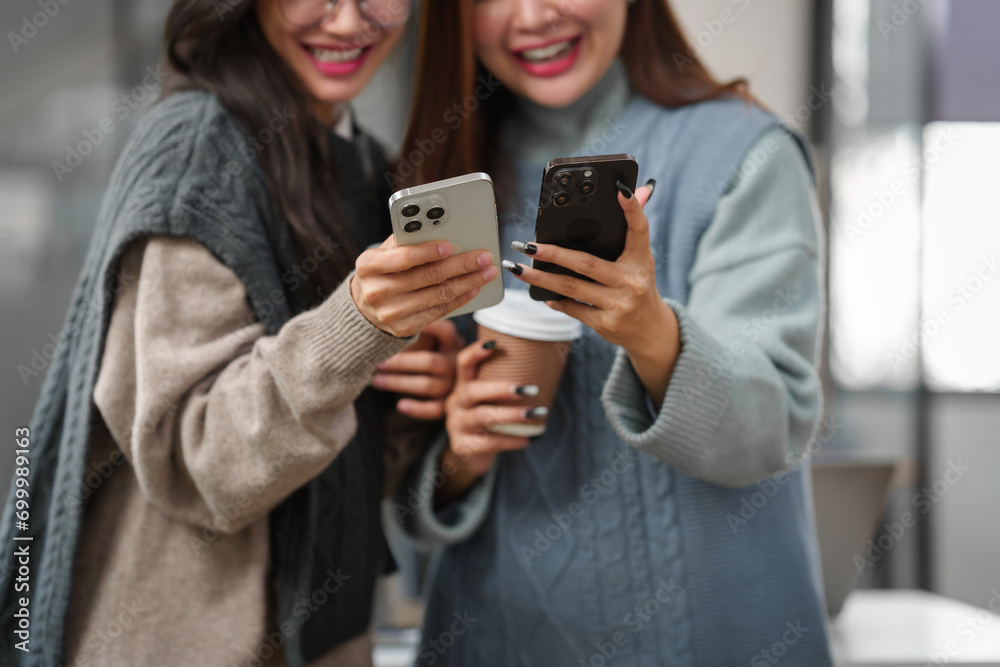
<point>411,210</point>
<point>435,213</point>
<point>562,198</point>
<point>412,226</point>
<point>586,188</point>
<point>564,178</point>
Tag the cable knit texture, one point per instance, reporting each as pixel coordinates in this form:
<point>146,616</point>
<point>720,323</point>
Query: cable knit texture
<point>183,174</point>
<point>218,424</point>
<point>611,539</point>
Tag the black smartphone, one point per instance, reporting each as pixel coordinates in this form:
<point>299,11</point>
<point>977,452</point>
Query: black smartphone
<point>578,209</point>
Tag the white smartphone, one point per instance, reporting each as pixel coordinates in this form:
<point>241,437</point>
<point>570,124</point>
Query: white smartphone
<point>461,211</point>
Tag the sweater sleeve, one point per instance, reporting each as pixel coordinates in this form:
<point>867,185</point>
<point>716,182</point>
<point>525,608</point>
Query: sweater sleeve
<point>413,505</point>
<point>744,397</point>
<point>220,422</point>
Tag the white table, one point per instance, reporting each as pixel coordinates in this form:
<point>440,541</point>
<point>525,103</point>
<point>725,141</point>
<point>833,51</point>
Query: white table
<point>394,656</point>
<point>395,648</point>
<point>903,628</point>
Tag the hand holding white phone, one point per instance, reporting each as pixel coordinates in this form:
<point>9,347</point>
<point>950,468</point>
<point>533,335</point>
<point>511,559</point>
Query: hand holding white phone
<point>461,211</point>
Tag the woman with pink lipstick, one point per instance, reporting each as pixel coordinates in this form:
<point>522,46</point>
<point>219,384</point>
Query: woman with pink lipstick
<point>616,537</point>
<point>207,463</point>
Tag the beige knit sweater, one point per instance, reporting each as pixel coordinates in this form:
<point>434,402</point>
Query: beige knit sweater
<point>207,425</point>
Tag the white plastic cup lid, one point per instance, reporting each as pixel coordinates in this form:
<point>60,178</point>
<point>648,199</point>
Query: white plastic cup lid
<point>521,316</point>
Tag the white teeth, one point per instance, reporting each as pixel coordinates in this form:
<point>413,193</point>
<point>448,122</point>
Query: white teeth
<point>335,56</point>
<point>548,52</point>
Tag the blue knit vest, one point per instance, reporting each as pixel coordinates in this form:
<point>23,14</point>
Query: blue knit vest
<point>596,554</point>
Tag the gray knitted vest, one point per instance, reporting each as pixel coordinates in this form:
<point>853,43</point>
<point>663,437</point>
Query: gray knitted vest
<point>176,178</point>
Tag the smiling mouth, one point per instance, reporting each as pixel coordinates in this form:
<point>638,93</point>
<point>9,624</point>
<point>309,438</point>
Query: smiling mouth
<point>335,55</point>
<point>550,53</point>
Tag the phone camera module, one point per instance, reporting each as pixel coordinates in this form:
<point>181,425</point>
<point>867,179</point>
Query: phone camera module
<point>564,179</point>
<point>586,188</point>
<point>412,226</point>
<point>562,198</point>
<point>435,214</point>
<point>411,210</point>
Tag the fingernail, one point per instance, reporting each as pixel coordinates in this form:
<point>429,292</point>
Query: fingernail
<point>489,345</point>
<point>444,249</point>
<point>484,259</point>
<point>526,248</point>
<point>404,405</point>
<point>490,273</point>
<point>537,412</point>
<point>527,390</point>
<point>378,380</point>
<point>514,268</point>
<point>622,188</point>
<point>652,185</point>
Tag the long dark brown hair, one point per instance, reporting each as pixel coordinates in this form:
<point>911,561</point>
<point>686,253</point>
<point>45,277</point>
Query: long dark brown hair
<point>660,62</point>
<point>218,46</point>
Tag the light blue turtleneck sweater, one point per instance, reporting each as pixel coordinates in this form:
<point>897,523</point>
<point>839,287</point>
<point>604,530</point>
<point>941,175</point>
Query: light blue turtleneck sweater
<point>562,544</point>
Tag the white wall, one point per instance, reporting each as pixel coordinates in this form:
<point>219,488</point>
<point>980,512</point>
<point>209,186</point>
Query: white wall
<point>766,41</point>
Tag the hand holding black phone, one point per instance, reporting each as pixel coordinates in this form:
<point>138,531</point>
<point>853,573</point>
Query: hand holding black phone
<point>578,209</point>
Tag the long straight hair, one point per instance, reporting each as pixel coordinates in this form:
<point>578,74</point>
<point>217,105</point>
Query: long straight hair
<point>658,58</point>
<point>218,46</point>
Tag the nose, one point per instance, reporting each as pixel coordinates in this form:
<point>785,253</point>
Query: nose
<point>534,15</point>
<point>347,22</point>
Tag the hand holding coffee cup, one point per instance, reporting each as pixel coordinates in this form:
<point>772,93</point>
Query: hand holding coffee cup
<point>532,344</point>
<point>505,385</point>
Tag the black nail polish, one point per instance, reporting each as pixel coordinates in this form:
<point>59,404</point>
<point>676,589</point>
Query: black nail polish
<point>537,412</point>
<point>489,345</point>
<point>527,390</point>
<point>624,189</point>
<point>652,185</point>
<point>526,248</point>
<point>514,268</point>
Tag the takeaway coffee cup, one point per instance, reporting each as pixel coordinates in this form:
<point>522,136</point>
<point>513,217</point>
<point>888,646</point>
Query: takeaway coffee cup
<point>533,343</point>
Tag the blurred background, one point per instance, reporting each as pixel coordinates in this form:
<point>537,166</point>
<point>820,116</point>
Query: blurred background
<point>901,99</point>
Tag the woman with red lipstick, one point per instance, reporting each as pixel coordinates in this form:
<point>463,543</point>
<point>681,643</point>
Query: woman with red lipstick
<point>621,536</point>
<point>207,463</point>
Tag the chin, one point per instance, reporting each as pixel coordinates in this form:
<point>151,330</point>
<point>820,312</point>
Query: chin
<point>336,92</point>
<point>557,94</point>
